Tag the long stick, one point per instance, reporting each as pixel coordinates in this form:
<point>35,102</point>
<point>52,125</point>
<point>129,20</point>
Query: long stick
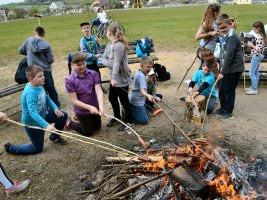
<point>184,134</point>
<point>139,138</point>
<point>58,132</point>
<point>206,109</point>
<point>129,189</point>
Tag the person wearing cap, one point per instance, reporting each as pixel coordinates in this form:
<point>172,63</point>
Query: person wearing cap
<point>102,16</point>
<point>151,89</point>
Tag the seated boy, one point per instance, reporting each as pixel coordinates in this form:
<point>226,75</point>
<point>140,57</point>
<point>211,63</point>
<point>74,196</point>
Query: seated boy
<point>151,89</point>
<point>205,80</point>
<point>139,92</point>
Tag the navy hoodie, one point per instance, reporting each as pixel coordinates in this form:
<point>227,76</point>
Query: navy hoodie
<point>38,52</point>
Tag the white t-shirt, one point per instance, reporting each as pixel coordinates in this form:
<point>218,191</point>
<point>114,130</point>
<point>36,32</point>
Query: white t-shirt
<point>102,17</point>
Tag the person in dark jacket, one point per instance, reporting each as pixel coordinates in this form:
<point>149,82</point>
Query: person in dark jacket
<point>232,66</point>
<point>39,53</point>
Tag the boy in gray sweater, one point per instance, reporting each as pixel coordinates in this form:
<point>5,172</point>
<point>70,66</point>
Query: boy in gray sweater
<point>232,66</point>
<point>39,53</point>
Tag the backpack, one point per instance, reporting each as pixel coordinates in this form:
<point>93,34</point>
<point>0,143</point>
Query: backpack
<point>20,76</point>
<point>144,48</point>
<point>161,72</point>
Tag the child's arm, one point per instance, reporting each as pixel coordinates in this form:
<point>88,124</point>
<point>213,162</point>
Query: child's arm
<point>80,104</point>
<point>107,62</point>
<point>118,55</point>
<point>229,56</point>
<point>23,49</point>
<point>100,98</point>
<point>49,55</point>
<point>148,96</point>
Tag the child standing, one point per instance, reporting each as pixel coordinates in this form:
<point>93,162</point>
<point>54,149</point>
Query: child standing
<point>232,67</point>
<point>205,80</point>
<point>139,92</point>
<point>115,58</point>
<point>84,91</point>
<point>257,56</point>
<point>90,45</point>
<point>39,53</point>
<point>35,112</point>
<point>15,187</point>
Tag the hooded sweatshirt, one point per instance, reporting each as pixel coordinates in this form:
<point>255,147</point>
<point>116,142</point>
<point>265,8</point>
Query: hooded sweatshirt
<point>38,52</point>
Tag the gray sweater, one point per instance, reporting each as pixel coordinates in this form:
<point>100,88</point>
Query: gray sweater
<point>115,58</point>
<point>38,52</point>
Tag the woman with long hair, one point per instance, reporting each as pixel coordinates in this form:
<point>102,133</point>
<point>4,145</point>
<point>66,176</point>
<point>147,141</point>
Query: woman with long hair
<point>257,56</point>
<point>115,58</point>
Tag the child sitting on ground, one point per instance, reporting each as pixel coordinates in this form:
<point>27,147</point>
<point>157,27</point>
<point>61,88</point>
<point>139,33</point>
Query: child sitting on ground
<point>35,112</point>
<point>151,89</point>
<point>139,92</point>
<point>84,91</point>
<point>205,80</point>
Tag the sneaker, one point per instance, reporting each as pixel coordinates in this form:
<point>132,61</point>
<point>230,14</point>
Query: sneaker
<point>226,117</point>
<point>60,140</point>
<point>112,122</point>
<point>6,147</point>
<point>18,187</point>
<point>219,112</point>
<point>247,89</point>
<point>124,128</point>
<point>67,125</point>
<point>251,92</point>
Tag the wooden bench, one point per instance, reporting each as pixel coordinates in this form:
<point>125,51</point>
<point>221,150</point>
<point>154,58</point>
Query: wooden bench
<point>11,89</point>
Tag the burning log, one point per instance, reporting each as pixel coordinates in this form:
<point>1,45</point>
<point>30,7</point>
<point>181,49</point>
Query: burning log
<point>193,182</point>
<point>171,159</point>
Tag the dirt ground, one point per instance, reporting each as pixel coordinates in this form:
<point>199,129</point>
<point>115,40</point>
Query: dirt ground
<point>56,172</point>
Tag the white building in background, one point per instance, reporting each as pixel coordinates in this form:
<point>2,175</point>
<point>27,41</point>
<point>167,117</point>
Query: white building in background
<point>57,6</point>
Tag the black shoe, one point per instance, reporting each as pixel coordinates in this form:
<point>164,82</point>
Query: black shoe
<point>182,98</point>
<point>6,147</point>
<point>124,128</point>
<point>225,117</point>
<point>112,122</point>
<point>219,112</point>
<point>60,141</point>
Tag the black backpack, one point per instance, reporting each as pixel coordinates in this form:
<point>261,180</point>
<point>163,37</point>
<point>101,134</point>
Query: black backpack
<point>20,76</point>
<point>161,72</point>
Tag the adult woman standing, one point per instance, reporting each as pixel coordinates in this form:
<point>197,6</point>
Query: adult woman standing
<point>115,58</point>
<point>208,30</point>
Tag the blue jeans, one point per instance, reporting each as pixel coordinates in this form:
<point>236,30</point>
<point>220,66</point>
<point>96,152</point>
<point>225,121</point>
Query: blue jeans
<point>139,114</point>
<point>254,70</point>
<point>211,104</point>
<point>37,136</point>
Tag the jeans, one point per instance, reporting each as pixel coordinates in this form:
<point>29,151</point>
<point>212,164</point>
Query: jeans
<point>211,104</point>
<point>37,136</point>
<point>49,87</point>
<point>227,86</point>
<point>122,94</point>
<point>254,70</point>
<point>139,114</point>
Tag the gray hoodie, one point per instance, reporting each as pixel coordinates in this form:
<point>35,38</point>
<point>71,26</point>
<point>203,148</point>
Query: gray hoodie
<point>38,52</point>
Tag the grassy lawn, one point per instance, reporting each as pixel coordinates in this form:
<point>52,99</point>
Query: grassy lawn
<point>171,28</point>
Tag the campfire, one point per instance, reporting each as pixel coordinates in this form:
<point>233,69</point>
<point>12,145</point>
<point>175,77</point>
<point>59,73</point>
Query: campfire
<point>179,171</point>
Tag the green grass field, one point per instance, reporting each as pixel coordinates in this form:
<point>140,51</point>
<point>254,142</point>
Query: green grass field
<point>171,28</point>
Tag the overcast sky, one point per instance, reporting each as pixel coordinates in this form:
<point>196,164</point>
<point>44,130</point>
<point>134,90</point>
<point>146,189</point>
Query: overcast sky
<point>10,1</point>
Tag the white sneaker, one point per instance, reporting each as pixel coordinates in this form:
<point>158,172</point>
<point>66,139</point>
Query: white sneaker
<point>251,92</point>
<point>247,89</point>
<point>18,187</point>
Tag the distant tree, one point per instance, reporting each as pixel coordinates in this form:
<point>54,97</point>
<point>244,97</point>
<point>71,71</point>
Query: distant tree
<point>116,4</point>
<point>33,11</point>
<point>21,13</point>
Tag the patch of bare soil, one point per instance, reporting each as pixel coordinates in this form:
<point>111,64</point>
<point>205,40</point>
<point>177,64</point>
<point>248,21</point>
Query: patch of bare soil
<point>56,172</point>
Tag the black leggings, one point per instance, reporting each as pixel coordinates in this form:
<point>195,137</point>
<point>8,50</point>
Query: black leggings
<point>122,94</point>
